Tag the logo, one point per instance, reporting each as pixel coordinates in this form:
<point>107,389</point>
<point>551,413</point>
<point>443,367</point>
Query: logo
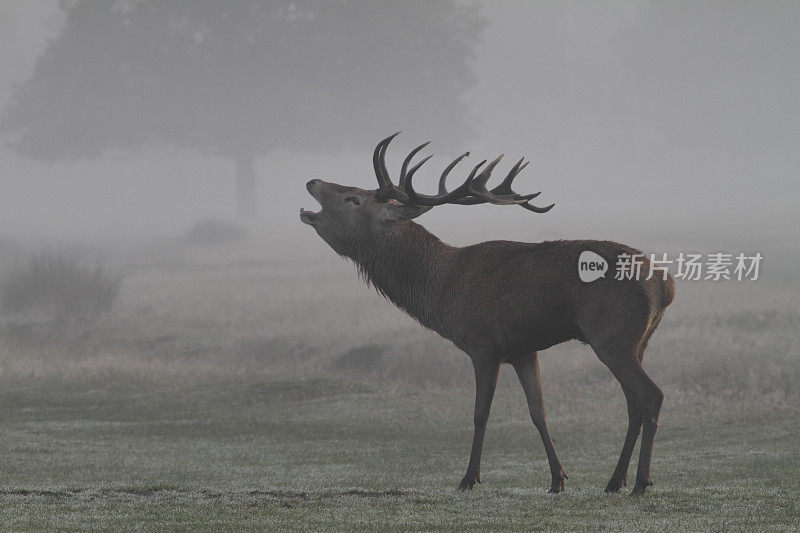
<point>591,266</point>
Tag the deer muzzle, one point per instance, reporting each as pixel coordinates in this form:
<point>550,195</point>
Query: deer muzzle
<point>306,216</point>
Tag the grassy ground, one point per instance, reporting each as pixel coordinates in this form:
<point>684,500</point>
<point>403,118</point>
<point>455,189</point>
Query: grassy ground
<point>227,391</point>
<point>323,453</point>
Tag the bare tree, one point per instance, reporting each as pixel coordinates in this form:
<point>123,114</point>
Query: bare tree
<point>244,78</point>
<point>501,301</point>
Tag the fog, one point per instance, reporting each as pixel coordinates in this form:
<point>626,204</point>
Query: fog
<point>178,350</point>
<point>669,117</point>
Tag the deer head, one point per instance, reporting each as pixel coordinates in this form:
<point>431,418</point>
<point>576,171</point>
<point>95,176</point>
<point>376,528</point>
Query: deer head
<point>350,217</point>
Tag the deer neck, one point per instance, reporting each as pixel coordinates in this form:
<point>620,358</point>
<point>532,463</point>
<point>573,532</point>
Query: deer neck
<point>408,265</point>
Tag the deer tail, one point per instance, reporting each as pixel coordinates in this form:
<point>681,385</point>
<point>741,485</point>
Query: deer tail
<point>667,291</point>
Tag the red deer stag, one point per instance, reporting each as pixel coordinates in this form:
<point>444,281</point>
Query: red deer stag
<point>500,301</point>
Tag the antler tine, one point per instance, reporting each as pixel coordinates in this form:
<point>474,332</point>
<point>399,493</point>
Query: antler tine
<point>386,188</point>
<point>505,189</point>
<point>415,168</point>
<point>407,160</point>
<point>466,199</point>
<point>535,209</point>
<point>408,188</point>
<point>478,188</point>
<point>443,178</point>
<point>505,185</point>
<point>480,181</point>
<point>379,164</point>
<point>526,197</point>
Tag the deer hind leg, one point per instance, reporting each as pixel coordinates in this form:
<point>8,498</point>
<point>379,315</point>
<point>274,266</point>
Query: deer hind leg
<point>624,363</point>
<point>528,372</point>
<point>485,384</point>
<point>620,475</point>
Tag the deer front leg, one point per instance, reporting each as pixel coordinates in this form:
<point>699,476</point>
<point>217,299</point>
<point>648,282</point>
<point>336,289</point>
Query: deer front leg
<point>528,372</point>
<point>485,384</point>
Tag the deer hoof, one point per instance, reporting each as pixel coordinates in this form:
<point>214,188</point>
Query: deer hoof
<point>639,488</point>
<point>615,485</point>
<point>467,483</point>
<point>557,484</point>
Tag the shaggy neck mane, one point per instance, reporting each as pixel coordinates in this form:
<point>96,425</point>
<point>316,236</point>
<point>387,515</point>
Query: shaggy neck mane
<point>407,265</point>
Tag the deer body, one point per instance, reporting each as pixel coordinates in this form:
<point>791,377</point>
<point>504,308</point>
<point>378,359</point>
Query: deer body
<point>518,299</point>
<point>502,301</point>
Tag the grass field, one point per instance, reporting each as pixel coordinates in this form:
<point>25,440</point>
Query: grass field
<point>234,391</point>
<point>324,453</point>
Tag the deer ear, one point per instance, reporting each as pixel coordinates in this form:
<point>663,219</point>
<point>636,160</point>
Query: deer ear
<point>393,210</point>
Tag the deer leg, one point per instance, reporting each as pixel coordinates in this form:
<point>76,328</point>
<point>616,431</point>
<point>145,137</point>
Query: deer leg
<point>528,372</point>
<point>650,409</point>
<point>625,366</point>
<point>485,383</point>
<point>619,477</point>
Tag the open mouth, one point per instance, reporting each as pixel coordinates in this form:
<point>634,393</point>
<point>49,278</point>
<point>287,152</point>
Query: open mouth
<point>308,217</point>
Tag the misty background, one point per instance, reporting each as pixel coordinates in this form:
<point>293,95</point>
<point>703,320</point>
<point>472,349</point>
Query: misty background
<point>155,155</point>
<point>675,123</point>
<point>178,349</point>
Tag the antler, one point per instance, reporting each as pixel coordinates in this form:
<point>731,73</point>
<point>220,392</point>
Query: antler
<point>472,191</point>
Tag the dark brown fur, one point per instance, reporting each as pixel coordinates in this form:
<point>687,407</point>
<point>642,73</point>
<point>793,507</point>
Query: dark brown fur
<point>503,302</point>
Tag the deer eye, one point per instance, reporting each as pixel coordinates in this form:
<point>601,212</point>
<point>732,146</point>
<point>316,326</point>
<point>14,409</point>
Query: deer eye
<point>353,199</point>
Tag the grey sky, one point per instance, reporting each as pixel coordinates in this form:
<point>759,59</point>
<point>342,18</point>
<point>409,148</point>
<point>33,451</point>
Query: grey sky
<point>554,85</point>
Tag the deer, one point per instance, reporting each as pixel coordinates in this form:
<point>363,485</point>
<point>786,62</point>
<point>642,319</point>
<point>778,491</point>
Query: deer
<point>501,301</point>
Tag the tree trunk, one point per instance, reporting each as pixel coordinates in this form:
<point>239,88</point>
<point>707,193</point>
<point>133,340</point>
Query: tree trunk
<point>245,185</point>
